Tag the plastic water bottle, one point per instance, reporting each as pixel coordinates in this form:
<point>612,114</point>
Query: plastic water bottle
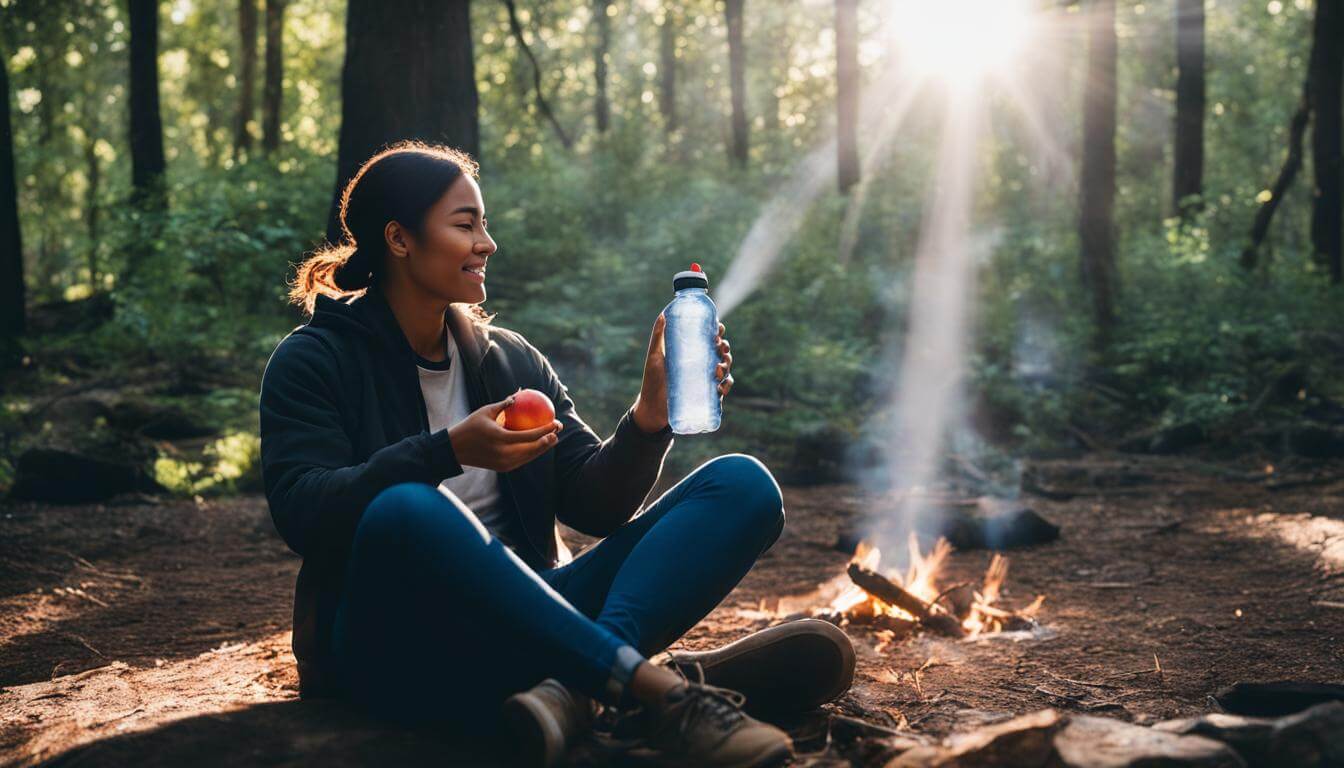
<point>693,404</point>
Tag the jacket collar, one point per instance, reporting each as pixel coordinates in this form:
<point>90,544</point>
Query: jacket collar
<point>472,340</point>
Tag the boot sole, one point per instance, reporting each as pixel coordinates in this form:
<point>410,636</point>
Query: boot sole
<point>649,758</point>
<point>536,737</point>
<point>787,668</point>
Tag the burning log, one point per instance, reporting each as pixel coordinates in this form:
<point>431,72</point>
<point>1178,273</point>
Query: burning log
<point>889,592</point>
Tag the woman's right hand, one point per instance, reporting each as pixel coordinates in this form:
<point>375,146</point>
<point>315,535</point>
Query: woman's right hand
<point>480,440</point>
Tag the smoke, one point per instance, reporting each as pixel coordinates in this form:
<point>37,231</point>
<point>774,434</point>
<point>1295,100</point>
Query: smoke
<point>809,179</point>
<point>928,396</point>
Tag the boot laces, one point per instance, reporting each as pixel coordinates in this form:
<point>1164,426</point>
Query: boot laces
<point>721,707</point>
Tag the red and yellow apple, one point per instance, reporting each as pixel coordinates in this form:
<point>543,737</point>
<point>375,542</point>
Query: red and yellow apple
<point>530,409</point>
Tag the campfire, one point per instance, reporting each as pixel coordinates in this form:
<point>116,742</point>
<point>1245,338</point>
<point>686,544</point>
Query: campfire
<point>903,604</point>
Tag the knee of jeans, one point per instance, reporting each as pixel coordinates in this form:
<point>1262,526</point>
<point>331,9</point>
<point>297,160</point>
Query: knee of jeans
<point>404,513</point>
<point>754,487</point>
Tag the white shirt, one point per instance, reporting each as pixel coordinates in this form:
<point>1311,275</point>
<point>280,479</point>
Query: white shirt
<point>445,394</point>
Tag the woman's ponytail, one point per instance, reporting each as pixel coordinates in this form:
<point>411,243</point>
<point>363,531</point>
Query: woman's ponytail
<point>326,273</point>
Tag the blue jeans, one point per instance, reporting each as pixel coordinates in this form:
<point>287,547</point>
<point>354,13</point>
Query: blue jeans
<point>438,618</point>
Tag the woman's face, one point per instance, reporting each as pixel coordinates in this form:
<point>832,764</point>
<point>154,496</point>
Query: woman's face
<point>448,257</point>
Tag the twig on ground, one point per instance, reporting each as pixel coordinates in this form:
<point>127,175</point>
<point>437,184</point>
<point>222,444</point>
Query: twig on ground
<point>1063,679</point>
<point>1156,669</point>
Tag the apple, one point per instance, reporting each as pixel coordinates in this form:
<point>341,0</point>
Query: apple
<point>530,409</point>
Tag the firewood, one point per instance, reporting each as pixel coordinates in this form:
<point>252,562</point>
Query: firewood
<point>897,626</point>
<point>887,591</point>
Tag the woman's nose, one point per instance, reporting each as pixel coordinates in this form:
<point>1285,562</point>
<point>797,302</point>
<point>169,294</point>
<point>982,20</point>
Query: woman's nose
<point>487,245</point>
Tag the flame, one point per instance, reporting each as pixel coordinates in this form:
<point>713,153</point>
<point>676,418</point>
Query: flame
<point>921,580</point>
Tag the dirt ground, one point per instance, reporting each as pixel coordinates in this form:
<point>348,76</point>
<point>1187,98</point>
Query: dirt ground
<point>158,634</point>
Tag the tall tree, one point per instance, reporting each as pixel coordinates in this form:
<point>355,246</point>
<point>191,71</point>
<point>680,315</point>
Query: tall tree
<point>93,173</point>
<point>667,69</point>
<point>404,81</point>
<point>737,79</point>
<point>1096,229</point>
<point>1327,138</point>
<point>146,138</point>
<point>247,75</point>
<point>273,92</point>
<point>1297,129</point>
<point>1188,166</point>
<point>847,92</point>
<point>11,241</point>
<point>601,104</point>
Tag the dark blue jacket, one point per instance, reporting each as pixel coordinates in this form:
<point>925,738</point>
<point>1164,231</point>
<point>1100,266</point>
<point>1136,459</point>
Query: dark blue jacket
<point>343,417</point>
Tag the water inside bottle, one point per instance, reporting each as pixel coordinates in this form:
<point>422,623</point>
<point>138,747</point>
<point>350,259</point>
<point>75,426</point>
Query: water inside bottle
<point>693,396</point>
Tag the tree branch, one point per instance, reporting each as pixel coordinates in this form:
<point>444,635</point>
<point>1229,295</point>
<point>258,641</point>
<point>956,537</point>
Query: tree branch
<point>1291,165</point>
<point>517,29</point>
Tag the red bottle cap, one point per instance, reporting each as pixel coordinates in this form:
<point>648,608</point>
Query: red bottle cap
<point>696,267</point>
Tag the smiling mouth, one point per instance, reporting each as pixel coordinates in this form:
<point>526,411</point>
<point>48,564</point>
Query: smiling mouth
<point>479,271</point>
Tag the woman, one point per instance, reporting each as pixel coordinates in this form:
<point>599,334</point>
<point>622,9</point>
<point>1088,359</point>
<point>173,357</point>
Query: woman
<point>434,583</point>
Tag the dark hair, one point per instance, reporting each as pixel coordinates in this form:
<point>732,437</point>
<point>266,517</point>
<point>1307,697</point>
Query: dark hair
<point>400,183</point>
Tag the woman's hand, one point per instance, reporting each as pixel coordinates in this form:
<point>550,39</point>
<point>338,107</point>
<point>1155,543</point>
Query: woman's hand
<point>650,410</point>
<point>481,441</point>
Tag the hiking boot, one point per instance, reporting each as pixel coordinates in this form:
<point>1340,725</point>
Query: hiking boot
<point>784,669</point>
<point>702,725</point>
<point>542,723</point>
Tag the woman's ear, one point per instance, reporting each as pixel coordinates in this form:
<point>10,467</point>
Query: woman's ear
<point>396,238</point>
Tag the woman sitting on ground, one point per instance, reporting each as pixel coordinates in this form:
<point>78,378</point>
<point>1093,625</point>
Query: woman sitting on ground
<point>434,584</point>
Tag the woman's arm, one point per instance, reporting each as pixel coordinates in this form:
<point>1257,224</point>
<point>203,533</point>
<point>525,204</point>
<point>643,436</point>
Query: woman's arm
<point>316,490</point>
<point>600,484</point>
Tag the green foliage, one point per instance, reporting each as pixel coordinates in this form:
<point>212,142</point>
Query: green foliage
<point>590,236</point>
<point>231,464</point>
<point>210,275</point>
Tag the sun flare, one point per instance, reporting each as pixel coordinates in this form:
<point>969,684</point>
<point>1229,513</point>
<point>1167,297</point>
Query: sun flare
<point>961,41</point>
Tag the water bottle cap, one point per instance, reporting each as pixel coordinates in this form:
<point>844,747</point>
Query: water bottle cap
<point>694,277</point>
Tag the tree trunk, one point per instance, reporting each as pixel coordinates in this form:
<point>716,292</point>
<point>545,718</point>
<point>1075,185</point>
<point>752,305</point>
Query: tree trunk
<point>1096,233</point>
<point>273,93</point>
<point>737,79</point>
<point>601,104</point>
<point>667,70</point>
<point>1188,166</point>
<point>247,75</point>
<point>11,241</point>
<point>95,172</point>
<point>847,93</point>
<point>93,168</point>
<point>146,137</point>
<point>404,81</point>
<point>1327,138</point>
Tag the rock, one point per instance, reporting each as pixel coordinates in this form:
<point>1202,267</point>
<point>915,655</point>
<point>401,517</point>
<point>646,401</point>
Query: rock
<point>1097,742</point>
<point>1025,740</point>
<point>1313,737</point>
<point>51,474</point>
<point>1275,699</point>
<point>1047,738</point>
<point>994,524</point>
<point>160,422</point>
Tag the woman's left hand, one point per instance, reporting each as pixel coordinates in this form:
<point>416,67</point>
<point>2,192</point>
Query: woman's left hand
<point>650,410</point>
